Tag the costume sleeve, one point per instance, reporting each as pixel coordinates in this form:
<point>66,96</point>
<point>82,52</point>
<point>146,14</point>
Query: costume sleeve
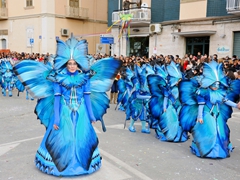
<point>57,89</point>
<point>201,103</point>
<point>230,103</point>
<point>88,101</point>
<point>57,97</point>
<point>200,111</point>
<point>200,98</point>
<point>165,101</point>
<point>56,109</point>
<point>165,91</point>
<point>142,96</point>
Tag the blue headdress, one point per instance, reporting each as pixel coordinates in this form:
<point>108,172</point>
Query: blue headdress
<point>72,49</point>
<point>174,73</point>
<point>6,65</point>
<point>160,71</point>
<point>213,74</point>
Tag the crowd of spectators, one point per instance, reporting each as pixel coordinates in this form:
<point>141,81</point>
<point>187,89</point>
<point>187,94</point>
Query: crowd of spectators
<point>16,56</point>
<point>190,65</point>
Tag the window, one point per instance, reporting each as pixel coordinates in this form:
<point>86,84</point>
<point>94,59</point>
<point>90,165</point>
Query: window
<point>4,44</point>
<point>29,3</point>
<point>74,3</point>
<point>2,3</point>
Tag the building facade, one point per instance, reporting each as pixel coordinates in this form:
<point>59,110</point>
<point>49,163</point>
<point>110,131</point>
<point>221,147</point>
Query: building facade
<point>172,27</point>
<point>34,25</point>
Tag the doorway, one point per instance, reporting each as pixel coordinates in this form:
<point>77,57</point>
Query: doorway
<point>138,46</point>
<point>197,44</point>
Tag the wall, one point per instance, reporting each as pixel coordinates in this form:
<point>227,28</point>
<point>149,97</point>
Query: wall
<point>192,10</point>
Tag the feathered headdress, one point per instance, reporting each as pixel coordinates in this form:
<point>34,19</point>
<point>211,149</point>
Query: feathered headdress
<point>174,73</point>
<point>6,65</point>
<point>213,72</point>
<point>72,49</point>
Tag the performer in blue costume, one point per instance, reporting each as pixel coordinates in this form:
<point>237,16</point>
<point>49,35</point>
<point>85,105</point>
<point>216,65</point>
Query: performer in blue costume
<point>1,72</point>
<point>7,77</point>
<point>164,103</point>
<point>71,97</point>
<point>207,107</point>
<point>125,87</point>
<point>139,98</point>
<point>20,87</point>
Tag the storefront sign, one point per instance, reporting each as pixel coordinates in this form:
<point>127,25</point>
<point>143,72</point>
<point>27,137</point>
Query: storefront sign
<point>223,49</point>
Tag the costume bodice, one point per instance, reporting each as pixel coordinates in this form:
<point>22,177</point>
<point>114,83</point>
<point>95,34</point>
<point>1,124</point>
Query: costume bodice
<point>7,76</point>
<point>211,97</point>
<point>72,87</point>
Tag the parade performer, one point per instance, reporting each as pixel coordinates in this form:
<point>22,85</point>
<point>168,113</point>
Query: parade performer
<point>20,87</point>
<point>125,87</point>
<point>165,105</point>
<point>206,108</point>
<point>7,77</point>
<point>140,97</point>
<point>71,96</point>
<point>1,72</point>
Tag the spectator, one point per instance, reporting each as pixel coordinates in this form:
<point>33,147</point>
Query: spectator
<point>126,4</point>
<point>215,57</point>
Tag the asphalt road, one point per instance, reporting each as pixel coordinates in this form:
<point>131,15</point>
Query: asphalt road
<point>126,155</point>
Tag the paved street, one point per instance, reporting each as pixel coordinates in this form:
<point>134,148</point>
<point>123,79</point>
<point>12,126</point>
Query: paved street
<point>126,156</point>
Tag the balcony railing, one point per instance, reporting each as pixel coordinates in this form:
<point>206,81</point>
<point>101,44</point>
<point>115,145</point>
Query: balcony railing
<point>3,13</point>
<point>139,15</point>
<point>233,6</point>
<point>76,13</point>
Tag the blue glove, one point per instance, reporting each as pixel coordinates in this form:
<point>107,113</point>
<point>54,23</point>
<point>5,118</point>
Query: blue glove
<point>165,101</point>
<point>89,107</point>
<point>56,109</point>
<point>230,103</point>
<point>200,111</point>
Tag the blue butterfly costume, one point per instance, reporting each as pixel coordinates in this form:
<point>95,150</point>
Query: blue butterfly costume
<point>67,99</point>
<point>7,77</point>
<point>211,99</point>
<point>164,103</point>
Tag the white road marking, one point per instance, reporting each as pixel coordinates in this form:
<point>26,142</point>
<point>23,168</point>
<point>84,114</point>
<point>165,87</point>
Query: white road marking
<point>126,166</point>
<point>97,131</point>
<point>39,137</point>
<point>24,140</point>
<point>5,148</point>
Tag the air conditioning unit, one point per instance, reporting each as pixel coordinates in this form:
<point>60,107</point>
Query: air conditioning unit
<point>64,32</point>
<point>155,28</point>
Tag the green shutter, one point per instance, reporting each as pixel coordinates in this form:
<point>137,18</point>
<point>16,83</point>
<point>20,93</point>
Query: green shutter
<point>236,44</point>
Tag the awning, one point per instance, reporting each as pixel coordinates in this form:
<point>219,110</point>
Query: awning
<point>194,33</point>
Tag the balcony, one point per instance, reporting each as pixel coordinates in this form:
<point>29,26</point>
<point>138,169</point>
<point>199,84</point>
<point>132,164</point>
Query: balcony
<point>233,6</point>
<point>76,13</point>
<point>141,16</point>
<point>3,13</point>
